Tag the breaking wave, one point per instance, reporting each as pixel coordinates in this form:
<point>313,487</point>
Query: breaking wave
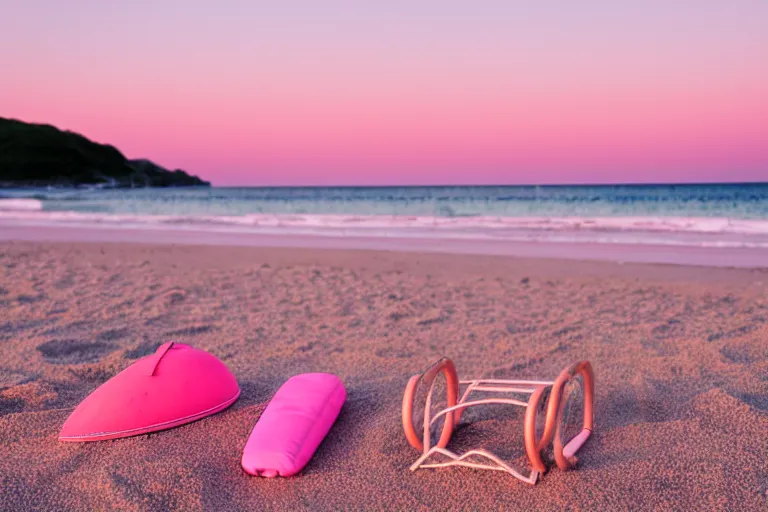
<point>698,231</point>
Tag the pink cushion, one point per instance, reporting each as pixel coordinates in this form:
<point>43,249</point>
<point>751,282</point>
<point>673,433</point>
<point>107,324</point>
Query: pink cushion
<point>293,425</point>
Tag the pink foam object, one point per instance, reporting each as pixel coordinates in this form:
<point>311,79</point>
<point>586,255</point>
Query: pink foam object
<point>293,425</point>
<point>177,384</point>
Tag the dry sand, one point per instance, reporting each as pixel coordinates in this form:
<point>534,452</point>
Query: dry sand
<point>680,355</point>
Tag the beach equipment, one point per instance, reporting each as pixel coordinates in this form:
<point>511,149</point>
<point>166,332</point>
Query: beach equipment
<point>177,384</point>
<point>293,425</point>
<point>430,418</point>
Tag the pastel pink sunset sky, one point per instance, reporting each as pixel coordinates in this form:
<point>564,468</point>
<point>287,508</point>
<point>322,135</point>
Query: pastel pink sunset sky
<point>402,92</point>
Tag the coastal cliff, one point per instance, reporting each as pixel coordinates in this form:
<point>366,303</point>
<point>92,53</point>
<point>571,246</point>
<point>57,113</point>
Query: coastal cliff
<point>36,155</point>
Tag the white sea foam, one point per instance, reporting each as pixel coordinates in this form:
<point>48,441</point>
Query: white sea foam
<point>701,231</point>
<point>20,205</point>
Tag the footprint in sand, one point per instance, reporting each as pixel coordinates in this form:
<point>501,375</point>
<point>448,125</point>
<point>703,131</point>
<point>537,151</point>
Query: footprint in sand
<point>10,405</point>
<point>392,353</point>
<point>112,334</point>
<point>65,282</point>
<point>759,402</point>
<point>193,330</point>
<point>29,299</point>
<point>10,378</point>
<point>65,351</point>
<point>144,349</point>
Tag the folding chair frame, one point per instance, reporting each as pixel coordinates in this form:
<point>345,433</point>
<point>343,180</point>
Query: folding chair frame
<point>537,394</point>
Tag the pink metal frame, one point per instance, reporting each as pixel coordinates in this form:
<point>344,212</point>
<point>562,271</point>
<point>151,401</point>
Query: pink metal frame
<point>528,394</point>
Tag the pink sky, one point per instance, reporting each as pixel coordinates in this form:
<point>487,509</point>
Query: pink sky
<point>404,92</point>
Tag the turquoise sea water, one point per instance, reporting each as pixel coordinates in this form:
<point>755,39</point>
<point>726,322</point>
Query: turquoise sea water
<point>734,215</point>
<point>737,201</point>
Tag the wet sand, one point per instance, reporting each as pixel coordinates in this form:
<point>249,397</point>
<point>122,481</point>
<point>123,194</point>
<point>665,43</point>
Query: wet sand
<point>700,255</point>
<point>680,355</point>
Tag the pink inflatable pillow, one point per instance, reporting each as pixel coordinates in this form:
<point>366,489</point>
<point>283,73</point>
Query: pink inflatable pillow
<point>293,425</point>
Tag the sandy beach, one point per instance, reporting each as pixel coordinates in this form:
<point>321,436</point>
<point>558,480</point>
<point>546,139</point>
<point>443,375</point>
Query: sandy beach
<point>680,356</point>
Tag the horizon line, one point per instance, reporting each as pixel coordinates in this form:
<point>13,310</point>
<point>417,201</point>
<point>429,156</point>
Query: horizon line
<point>613,184</point>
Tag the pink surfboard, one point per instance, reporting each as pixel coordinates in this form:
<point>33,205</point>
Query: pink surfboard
<point>177,384</point>
<point>293,425</point>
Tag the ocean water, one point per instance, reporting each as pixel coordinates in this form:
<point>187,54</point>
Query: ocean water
<point>732,215</point>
